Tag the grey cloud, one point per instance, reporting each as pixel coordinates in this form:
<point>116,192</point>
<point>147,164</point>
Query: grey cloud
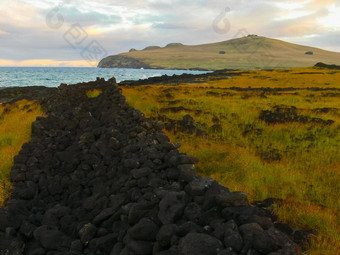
<point>73,15</point>
<point>327,40</point>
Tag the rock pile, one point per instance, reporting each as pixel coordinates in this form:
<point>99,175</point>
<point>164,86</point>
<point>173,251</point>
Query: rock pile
<point>284,114</point>
<point>184,78</point>
<point>323,65</point>
<point>98,177</point>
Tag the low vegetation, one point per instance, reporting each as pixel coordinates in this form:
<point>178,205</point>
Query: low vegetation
<point>272,134</point>
<point>93,93</point>
<point>15,130</point>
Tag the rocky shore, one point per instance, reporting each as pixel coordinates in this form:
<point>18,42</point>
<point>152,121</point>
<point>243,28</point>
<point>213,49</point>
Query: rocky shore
<point>184,78</point>
<point>98,177</point>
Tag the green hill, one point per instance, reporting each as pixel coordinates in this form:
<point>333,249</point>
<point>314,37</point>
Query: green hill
<point>251,52</point>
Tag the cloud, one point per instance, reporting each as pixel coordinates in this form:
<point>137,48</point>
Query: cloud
<point>46,62</point>
<point>73,15</point>
<point>121,25</point>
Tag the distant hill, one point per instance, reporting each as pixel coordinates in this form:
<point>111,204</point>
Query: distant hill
<point>251,52</point>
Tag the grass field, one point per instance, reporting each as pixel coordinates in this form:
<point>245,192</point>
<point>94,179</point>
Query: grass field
<point>281,141</point>
<point>15,130</point>
<point>252,52</point>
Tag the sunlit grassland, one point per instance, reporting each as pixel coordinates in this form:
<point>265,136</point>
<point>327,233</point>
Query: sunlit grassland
<point>297,162</point>
<point>15,130</point>
<point>282,78</point>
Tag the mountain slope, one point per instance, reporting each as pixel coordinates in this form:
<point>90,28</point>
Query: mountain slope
<point>251,52</point>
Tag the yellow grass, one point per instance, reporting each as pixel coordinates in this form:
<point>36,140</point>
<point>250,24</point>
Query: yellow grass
<point>93,93</point>
<point>307,175</point>
<point>15,130</point>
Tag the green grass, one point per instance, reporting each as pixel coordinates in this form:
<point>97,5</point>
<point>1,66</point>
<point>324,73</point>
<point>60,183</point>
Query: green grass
<point>242,155</point>
<point>240,54</point>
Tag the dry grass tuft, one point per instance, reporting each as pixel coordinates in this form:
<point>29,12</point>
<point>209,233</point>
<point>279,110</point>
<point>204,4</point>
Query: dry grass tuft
<point>93,93</point>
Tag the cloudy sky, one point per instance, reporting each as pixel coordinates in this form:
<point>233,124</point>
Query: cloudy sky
<point>78,33</point>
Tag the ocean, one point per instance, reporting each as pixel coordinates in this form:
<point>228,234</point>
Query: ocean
<point>54,76</point>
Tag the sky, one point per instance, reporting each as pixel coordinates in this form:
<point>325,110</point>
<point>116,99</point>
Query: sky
<point>80,33</point>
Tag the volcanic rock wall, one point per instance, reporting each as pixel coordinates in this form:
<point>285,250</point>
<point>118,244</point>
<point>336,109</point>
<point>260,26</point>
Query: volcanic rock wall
<point>98,177</point>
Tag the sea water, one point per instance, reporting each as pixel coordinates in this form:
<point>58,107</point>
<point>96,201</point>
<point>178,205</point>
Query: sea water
<point>54,76</point>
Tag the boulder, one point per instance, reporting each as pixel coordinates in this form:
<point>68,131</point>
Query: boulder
<point>199,244</point>
<point>171,207</point>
